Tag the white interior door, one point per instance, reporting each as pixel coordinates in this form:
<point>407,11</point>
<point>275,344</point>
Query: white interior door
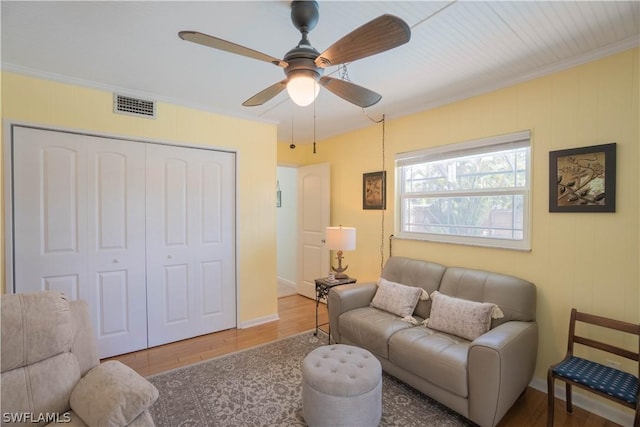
<point>190,242</point>
<point>313,218</point>
<point>79,228</point>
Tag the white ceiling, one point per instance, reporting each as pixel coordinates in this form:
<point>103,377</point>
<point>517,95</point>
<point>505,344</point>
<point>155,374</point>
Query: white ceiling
<point>457,49</point>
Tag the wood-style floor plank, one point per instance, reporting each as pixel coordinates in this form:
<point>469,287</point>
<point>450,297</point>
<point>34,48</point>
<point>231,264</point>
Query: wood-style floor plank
<point>297,314</point>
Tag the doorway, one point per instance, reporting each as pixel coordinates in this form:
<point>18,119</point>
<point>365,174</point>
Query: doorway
<point>287,229</point>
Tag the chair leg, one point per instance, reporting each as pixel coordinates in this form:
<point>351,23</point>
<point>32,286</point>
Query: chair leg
<point>636,419</point>
<point>569,401</point>
<point>550,398</point>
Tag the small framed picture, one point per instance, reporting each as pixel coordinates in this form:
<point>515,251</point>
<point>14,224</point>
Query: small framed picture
<point>583,179</point>
<point>374,194</point>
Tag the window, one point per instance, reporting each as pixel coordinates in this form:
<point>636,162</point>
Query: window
<point>475,192</point>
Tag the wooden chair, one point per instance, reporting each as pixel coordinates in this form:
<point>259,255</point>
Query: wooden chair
<point>605,381</point>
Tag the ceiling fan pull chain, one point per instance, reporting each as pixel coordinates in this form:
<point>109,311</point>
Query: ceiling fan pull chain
<point>314,126</point>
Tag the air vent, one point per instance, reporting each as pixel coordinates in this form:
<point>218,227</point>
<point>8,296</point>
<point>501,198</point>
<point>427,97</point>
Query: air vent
<point>134,106</point>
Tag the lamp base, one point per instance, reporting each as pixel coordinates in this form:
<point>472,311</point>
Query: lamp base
<point>340,269</point>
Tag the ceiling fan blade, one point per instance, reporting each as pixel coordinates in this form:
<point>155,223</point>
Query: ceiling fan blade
<point>266,94</point>
<point>351,92</point>
<point>220,44</point>
<point>383,33</point>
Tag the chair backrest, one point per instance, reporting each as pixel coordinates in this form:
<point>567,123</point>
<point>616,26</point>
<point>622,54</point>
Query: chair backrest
<point>47,344</point>
<point>618,325</point>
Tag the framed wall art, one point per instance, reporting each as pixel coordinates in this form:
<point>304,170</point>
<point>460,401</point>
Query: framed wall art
<point>583,179</point>
<point>374,194</point>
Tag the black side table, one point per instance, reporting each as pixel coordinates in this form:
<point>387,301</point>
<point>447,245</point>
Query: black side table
<point>323,286</point>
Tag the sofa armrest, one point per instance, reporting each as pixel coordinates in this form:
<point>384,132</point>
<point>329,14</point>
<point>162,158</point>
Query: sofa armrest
<point>501,364</point>
<point>343,298</point>
<point>112,394</point>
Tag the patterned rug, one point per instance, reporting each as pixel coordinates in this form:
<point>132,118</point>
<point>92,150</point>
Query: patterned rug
<point>262,386</point>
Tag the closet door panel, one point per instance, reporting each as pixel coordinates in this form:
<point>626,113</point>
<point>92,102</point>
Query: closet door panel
<point>116,244</point>
<point>190,223</point>
<point>170,297</point>
<point>215,243</point>
<point>50,200</point>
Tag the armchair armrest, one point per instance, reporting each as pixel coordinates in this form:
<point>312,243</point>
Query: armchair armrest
<point>112,394</point>
<point>501,364</point>
<point>343,298</point>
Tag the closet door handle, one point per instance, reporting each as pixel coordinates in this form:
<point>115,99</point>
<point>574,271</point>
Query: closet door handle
<point>169,257</point>
<point>115,261</point>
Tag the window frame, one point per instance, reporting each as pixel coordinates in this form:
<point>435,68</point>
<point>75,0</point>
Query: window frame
<point>497,143</point>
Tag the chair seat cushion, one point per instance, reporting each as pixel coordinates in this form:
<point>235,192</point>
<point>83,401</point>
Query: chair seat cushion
<point>613,382</point>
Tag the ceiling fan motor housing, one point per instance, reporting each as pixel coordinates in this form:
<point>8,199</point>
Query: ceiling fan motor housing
<point>301,59</point>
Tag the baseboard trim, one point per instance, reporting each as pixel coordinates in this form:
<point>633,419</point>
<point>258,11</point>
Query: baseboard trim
<point>282,280</point>
<point>617,415</point>
<point>258,321</point>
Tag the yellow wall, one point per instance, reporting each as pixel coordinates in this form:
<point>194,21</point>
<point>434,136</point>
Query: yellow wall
<point>584,260</point>
<point>44,102</point>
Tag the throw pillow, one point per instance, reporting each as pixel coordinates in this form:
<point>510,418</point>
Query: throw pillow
<point>395,298</point>
<point>112,394</point>
<point>460,317</point>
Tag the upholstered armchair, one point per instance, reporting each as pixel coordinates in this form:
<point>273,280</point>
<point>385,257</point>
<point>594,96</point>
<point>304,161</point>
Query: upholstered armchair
<point>51,372</point>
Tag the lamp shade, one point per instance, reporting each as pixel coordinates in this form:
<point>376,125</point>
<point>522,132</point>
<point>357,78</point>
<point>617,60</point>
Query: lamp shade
<point>340,238</point>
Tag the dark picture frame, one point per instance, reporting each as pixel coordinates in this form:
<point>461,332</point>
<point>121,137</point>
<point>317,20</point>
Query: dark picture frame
<point>374,190</point>
<point>583,179</point>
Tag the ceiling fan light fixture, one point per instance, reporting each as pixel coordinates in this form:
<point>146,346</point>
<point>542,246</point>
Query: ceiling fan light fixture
<point>303,89</point>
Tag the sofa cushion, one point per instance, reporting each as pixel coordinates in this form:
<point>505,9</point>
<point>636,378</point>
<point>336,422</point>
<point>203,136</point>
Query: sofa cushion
<point>435,356</point>
<point>370,328</point>
<point>35,326</point>
<point>460,317</point>
<point>112,394</point>
<point>396,298</point>
<point>413,272</point>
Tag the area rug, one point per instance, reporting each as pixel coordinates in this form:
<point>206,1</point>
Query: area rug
<point>262,386</point>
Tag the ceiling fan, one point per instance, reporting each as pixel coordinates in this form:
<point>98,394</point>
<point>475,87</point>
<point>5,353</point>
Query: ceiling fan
<point>304,65</point>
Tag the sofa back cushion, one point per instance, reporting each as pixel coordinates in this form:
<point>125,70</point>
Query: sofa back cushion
<point>515,297</point>
<point>412,272</point>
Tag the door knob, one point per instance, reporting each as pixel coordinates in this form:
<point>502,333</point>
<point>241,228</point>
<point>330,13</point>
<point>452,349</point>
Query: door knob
<point>323,241</point>
<point>169,257</point>
<point>115,261</point>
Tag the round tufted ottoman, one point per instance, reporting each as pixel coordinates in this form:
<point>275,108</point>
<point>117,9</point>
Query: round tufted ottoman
<point>341,386</point>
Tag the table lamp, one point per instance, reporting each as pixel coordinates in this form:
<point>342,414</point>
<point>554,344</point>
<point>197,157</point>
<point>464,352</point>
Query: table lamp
<point>340,239</point>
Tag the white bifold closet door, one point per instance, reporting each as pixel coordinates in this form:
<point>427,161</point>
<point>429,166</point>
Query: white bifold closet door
<point>79,218</point>
<point>190,242</point>
<point>144,233</point>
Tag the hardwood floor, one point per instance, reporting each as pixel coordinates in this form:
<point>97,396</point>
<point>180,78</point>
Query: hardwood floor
<point>297,314</point>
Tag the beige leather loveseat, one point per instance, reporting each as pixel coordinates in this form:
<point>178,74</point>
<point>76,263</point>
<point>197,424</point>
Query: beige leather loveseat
<point>479,377</point>
<point>51,372</point>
